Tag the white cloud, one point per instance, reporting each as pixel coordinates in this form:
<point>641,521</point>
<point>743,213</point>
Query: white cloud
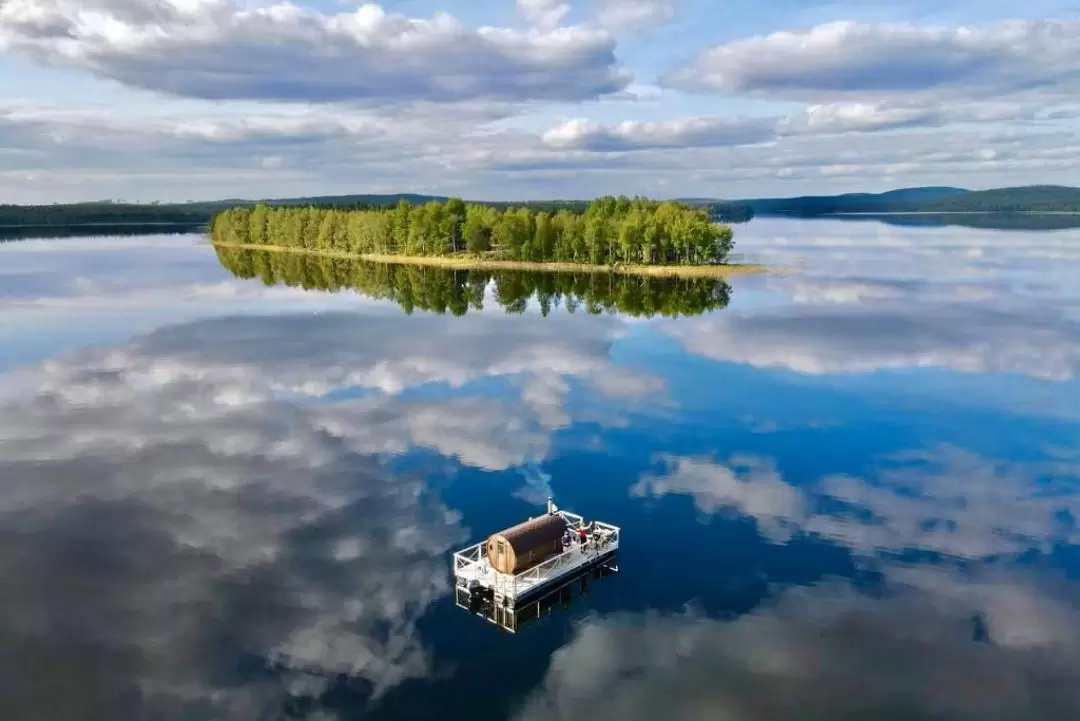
<point>355,101</point>
<point>847,58</point>
<point>220,49</point>
<point>624,15</point>
<point>544,13</point>
<point>682,133</point>
<point>817,119</point>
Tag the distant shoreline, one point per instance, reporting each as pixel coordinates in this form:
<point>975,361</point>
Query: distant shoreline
<point>109,224</point>
<point>936,213</point>
<point>468,263</point>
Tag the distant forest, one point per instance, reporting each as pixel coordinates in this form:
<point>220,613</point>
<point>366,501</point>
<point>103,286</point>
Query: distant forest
<point>26,232</point>
<point>1033,199</point>
<point>944,200</point>
<point>606,231</point>
<point>445,290</point>
<point>104,214</point>
<point>196,214</point>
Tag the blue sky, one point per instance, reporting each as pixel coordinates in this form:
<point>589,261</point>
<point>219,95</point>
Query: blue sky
<point>198,99</point>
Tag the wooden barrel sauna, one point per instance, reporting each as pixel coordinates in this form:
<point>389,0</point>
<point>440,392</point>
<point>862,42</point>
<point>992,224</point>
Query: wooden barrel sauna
<point>523,546</point>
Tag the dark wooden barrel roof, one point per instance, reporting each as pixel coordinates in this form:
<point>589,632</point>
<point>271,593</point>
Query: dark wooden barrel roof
<point>535,532</point>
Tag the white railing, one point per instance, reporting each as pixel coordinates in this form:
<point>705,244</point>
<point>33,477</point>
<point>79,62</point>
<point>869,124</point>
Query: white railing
<point>471,557</point>
<point>572,519</point>
<point>604,538</point>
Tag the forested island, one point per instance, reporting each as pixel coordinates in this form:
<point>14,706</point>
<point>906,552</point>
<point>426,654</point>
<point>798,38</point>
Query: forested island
<point>445,290</point>
<point>607,232</point>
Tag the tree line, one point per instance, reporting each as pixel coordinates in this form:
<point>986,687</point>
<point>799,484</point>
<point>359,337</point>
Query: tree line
<point>1031,199</point>
<point>453,291</point>
<point>97,230</point>
<point>606,231</point>
<point>72,214</point>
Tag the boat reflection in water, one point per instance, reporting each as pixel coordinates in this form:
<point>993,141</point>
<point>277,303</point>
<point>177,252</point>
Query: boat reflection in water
<point>514,617</point>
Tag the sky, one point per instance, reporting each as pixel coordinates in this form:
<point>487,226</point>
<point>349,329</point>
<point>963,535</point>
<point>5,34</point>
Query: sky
<point>175,100</point>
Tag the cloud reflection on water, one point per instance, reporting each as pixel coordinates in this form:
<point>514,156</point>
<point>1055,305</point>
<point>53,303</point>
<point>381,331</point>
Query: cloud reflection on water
<point>203,500</point>
<point>945,500</point>
<point>831,652</point>
<point>863,302</point>
<point>165,521</point>
<point>206,519</point>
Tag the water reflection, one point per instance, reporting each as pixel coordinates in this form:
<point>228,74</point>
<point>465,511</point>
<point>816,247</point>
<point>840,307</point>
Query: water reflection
<point>442,290</point>
<point>982,221</point>
<point>521,616</point>
<point>23,232</point>
<point>914,650</point>
<point>851,494</point>
<point>944,501</point>
<point>174,543</point>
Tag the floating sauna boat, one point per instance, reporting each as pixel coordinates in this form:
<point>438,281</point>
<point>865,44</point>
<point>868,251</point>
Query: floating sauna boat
<point>520,563</point>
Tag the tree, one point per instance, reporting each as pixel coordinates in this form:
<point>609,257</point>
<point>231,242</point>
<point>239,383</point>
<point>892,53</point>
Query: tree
<point>457,214</point>
<point>543,245</point>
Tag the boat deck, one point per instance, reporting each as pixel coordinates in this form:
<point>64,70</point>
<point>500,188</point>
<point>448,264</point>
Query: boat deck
<point>473,572</point>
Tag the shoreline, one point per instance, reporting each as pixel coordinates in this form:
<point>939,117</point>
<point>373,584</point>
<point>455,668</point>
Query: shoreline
<point>465,263</point>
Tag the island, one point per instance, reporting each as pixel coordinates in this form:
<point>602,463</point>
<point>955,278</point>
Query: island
<point>609,234</point>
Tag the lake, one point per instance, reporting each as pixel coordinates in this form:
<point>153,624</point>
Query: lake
<point>231,483</point>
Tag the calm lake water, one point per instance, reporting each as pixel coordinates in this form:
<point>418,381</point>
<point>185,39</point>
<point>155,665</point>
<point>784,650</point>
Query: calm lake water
<point>230,486</point>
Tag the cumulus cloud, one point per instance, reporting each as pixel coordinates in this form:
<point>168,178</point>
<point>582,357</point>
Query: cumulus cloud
<point>799,162</point>
<point>830,652</point>
<point>222,49</point>
<point>681,133</point>
<point>848,58</point>
<point>860,117</point>
<point>203,150</point>
<point>821,119</point>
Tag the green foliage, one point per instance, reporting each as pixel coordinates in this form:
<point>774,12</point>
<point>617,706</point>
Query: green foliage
<point>606,231</point>
<point>442,290</point>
